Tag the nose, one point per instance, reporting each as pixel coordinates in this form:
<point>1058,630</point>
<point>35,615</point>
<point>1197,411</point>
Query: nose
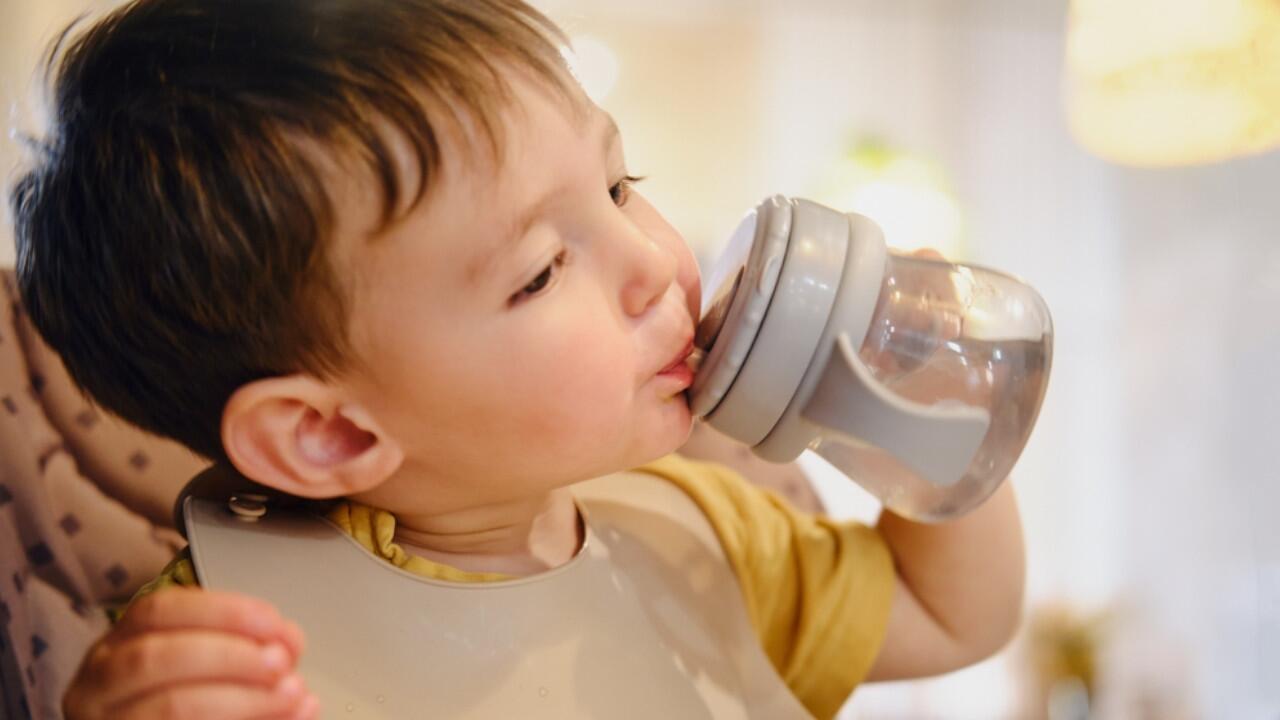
<point>648,270</point>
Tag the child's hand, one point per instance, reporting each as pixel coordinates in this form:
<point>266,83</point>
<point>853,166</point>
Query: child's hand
<point>191,653</point>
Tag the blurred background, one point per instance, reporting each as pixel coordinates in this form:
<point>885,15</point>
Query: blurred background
<point>1115,155</point>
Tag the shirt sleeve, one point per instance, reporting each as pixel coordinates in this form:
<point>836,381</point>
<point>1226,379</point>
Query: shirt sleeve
<point>817,591</point>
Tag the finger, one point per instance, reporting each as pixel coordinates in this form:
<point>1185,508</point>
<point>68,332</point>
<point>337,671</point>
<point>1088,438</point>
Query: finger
<point>307,709</point>
<point>197,609</point>
<point>147,662</point>
<point>221,701</point>
<point>927,253</point>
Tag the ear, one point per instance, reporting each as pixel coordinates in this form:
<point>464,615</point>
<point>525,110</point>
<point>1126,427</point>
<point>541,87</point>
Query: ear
<point>295,434</point>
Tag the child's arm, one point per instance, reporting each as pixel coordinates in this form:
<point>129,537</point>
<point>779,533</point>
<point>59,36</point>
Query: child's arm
<point>958,596</point>
<point>958,593</point>
<point>185,652</point>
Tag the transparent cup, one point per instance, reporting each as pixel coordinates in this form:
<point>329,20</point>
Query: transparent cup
<point>947,339</point>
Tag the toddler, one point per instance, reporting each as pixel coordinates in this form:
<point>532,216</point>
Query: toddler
<point>386,256</point>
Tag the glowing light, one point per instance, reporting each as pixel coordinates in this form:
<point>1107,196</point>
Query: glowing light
<point>1174,82</point>
<point>594,64</point>
<point>907,196</point>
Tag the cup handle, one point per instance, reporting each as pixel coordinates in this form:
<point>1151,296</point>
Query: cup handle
<point>937,442</point>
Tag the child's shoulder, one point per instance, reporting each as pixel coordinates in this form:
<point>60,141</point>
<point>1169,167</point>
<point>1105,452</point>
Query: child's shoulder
<point>720,491</point>
<point>695,475</point>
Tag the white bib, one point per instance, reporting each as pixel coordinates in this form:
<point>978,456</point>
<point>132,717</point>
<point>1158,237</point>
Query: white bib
<point>647,621</point>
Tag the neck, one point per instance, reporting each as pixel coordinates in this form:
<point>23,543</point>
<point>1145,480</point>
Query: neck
<point>517,537</point>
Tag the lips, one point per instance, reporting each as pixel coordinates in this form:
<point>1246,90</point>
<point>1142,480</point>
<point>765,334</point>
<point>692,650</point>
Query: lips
<point>679,360</point>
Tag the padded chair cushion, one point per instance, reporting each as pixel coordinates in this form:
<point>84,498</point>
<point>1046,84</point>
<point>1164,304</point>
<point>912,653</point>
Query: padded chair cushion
<point>85,505</point>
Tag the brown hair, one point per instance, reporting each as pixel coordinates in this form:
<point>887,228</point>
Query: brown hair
<point>172,235</point>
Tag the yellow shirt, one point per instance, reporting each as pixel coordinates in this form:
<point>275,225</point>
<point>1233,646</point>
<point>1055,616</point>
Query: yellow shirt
<point>817,591</point>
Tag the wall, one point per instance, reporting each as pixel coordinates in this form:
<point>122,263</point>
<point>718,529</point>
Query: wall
<point>26,28</point>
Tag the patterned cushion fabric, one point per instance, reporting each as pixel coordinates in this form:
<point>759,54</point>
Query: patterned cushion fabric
<point>85,503</point>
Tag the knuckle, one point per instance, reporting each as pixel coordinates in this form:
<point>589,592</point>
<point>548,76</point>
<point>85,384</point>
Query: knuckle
<point>168,706</point>
<point>140,658</point>
<point>237,612</point>
<point>243,612</point>
<point>149,609</point>
<point>98,657</point>
<point>235,659</point>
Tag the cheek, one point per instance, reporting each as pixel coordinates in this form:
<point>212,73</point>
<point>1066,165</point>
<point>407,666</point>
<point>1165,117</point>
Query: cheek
<point>572,372</point>
<point>570,418</point>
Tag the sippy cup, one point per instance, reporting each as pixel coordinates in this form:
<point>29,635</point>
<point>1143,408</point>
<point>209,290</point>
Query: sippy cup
<point>920,379</point>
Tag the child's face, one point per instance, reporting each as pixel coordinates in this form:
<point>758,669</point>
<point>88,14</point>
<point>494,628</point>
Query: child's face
<point>516,322</point>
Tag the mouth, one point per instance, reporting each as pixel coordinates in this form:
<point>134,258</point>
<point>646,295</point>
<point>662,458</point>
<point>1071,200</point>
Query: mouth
<point>679,361</point>
<point>679,368</point>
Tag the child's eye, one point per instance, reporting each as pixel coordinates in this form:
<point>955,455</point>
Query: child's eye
<point>541,282</point>
<point>621,190</point>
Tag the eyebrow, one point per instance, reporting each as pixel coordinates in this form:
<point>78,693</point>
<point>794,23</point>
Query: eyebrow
<point>519,227</point>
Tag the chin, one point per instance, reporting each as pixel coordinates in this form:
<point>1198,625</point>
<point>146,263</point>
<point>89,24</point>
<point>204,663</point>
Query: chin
<point>675,429</point>
<point>659,432</point>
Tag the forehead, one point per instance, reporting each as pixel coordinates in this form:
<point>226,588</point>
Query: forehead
<point>532,124</point>
<point>489,168</point>
<point>473,146</point>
